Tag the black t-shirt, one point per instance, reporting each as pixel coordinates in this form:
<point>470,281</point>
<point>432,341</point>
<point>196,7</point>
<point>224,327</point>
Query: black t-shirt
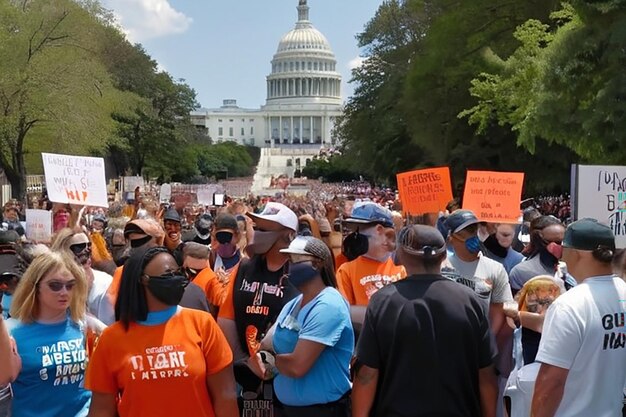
<point>428,337</point>
<point>258,297</point>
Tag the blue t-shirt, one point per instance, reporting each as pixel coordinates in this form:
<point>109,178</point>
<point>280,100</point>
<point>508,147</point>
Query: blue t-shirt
<point>325,320</point>
<point>53,369</point>
<point>5,302</point>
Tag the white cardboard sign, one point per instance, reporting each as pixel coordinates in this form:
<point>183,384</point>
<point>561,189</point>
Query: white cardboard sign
<point>600,193</point>
<point>75,179</point>
<point>39,225</point>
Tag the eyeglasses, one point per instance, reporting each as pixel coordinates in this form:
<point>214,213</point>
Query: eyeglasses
<point>56,286</point>
<point>79,247</point>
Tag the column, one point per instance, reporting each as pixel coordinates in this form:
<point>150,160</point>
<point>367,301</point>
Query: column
<point>311,131</point>
<point>268,120</point>
<point>291,129</point>
<point>300,80</point>
<point>301,132</point>
<point>280,129</point>
<point>323,129</point>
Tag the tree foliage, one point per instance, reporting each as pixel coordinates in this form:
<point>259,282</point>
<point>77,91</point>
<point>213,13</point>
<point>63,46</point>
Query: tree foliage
<point>53,93</point>
<point>414,84</point>
<point>564,84</point>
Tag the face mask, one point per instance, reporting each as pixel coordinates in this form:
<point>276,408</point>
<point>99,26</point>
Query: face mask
<point>472,244</point>
<point>168,289</point>
<point>262,242</point>
<point>492,244</point>
<point>301,273</point>
<point>355,245</point>
<point>555,250</point>
<point>191,273</point>
<point>226,250</point>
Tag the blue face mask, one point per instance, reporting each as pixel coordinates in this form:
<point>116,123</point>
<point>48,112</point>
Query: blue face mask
<point>473,244</point>
<point>301,273</point>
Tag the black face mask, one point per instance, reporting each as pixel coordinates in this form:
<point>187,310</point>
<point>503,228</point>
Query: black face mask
<point>191,273</point>
<point>169,288</point>
<point>493,246</point>
<point>355,245</point>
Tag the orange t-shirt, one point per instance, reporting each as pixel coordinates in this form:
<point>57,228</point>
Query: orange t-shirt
<point>359,279</point>
<point>227,310</point>
<point>215,291</point>
<point>160,370</point>
<point>340,259</point>
<point>114,288</point>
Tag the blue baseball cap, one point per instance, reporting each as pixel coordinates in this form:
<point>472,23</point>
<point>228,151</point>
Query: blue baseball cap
<point>459,220</point>
<point>370,213</point>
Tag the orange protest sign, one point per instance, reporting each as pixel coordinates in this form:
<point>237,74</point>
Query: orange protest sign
<point>425,190</point>
<point>494,196</point>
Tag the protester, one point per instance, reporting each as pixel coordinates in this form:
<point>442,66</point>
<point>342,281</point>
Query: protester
<point>534,299</point>
<point>426,347</point>
<point>173,238</point>
<point>140,234</point>
<point>582,349</point>
<point>543,252</point>
<point>374,242</point>
<point>313,340</point>
<point>498,247</point>
<point>225,254</point>
<point>258,290</point>
<point>51,336</point>
<point>78,246</point>
<point>196,268</point>
<point>160,359</point>
<point>486,277</point>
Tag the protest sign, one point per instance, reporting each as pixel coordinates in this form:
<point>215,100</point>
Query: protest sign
<point>165,194</point>
<point>39,225</point>
<point>599,192</point>
<point>75,179</point>
<point>425,190</point>
<point>205,196</point>
<point>130,183</point>
<point>494,196</point>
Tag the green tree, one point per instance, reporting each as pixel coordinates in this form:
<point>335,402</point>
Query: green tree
<point>564,84</point>
<point>55,95</point>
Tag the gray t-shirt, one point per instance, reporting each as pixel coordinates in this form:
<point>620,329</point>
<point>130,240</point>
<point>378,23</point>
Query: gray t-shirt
<point>526,270</point>
<point>485,276</point>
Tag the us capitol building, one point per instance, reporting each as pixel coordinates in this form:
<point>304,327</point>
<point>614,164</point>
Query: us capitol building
<point>303,100</point>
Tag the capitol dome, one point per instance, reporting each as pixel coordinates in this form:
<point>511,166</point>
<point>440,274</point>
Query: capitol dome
<point>304,68</point>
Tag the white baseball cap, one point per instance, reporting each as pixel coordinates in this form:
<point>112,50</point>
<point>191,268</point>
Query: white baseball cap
<point>274,216</point>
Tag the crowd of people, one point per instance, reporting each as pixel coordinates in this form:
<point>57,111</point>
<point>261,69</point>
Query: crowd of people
<point>332,304</point>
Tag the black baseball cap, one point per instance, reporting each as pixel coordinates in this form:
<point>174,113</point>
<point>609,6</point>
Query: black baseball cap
<point>588,234</point>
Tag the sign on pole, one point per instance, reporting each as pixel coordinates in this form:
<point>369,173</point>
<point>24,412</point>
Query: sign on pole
<point>75,179</point>
<point>39,225</point>
<point>425,190</point>
<point>599,193</point>
<point>165,194</point>
<point>494,196</point>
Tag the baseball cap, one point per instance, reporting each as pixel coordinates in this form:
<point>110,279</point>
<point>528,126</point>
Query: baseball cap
<point>226,221</point>
<point>143,228</point>
<point>274,216</point>
<point>307,245</point>
<point>459,220</point>
<point>172,215</point>
<point>368,213</point>
<point>588,234</point>
<point>9,263</point>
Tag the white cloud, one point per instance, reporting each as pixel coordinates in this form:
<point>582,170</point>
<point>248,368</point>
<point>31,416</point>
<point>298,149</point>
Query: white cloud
<point>142,20</point>
<point>356,62</point>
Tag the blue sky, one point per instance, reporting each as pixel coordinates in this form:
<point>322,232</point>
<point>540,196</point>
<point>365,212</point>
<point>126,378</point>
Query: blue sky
<point>223,48</point>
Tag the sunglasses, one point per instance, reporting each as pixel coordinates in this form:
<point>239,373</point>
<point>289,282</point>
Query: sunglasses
<point>56,286</point>
<point>224,237</point>
<point>80,247</point>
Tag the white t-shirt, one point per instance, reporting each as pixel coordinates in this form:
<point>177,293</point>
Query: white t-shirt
<point>584,332</point>
<point>486,277</point>
<point>98,303</point>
